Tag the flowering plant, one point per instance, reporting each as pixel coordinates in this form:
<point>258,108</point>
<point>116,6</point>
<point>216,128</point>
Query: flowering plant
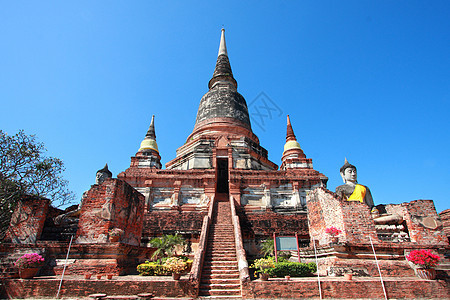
<point>175,265</point>
<point>423,258</point>
<point>333,231</point>
<point>263,265</point>
<point>29,260</point>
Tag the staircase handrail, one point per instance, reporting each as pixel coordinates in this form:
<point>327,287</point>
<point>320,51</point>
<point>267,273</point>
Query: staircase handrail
<point>240,251</point>
<point>196,270</point>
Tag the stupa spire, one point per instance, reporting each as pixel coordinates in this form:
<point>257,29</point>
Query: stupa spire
<point>223,44</point>
<point>292,148</point>
<point>290,136</point>
<point>222,71</point>
<point>151,129</point>
<point>149,142</point>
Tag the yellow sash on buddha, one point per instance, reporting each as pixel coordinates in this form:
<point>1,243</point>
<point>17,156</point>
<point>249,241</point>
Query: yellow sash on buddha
<point>358,194</point>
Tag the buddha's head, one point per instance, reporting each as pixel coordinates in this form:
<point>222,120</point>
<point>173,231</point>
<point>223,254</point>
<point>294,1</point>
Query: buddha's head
<point>348,173</point>
<point>102,175</point>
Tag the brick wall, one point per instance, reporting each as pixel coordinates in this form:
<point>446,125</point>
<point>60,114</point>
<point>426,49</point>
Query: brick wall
<point>157,223</point>
<point>268,222</point>
<point>324,210</point>
<point>418,210</point>
<point>28,220</point>
<point>370,288</point>
<point>74,288</point>
<point>113,204</point>
<point>445,218</point>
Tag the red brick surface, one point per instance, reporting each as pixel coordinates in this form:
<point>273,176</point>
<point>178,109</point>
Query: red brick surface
<point>78,287</point>
<point>445,218</point>
<point>338,288</point>
<point>419,209</point>
<point>268,222</point>
<point>296,288</point>
<point>28,220</point>
<point>113,204</point>
<point>158,222</point>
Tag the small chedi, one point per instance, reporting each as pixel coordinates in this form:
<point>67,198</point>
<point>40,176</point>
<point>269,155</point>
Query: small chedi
<point>225,198</point>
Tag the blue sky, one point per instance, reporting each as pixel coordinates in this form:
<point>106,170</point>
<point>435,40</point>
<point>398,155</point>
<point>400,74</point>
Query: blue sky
<point>366,80</point>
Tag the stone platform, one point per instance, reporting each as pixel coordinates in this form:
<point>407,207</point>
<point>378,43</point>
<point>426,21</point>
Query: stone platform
<point>164,287</point>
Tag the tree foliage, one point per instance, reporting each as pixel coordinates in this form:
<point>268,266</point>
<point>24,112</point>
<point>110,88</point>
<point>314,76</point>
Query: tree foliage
<point>165,245</point>
<point>26,170</point>
<point>267,248</point>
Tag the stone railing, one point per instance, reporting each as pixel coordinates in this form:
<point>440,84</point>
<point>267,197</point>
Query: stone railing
<point>196,270</point>
<point>240,251</point>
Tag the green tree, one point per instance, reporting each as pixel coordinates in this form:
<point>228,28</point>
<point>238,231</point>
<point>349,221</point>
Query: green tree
<point>26,170</point>
<point>267,248</point>
<point>165,245</point>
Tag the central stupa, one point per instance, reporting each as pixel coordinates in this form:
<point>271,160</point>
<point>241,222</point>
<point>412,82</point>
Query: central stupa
<point>222,128</point>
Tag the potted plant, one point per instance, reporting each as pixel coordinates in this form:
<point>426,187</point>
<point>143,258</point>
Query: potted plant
<point>29,264</point>
<point>425,262</point>
<point>333,232</point>
<point>263,265</point>
<point>175,266</point>
<point>115,234</point>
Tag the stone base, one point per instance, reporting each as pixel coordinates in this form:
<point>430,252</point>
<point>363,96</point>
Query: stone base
<point>296,288</point>
<point>107,258</point>
<point>300,288</point>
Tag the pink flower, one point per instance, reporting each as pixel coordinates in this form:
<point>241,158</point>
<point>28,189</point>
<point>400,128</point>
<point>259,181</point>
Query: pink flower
<point>423,258</point>
<point>333,231</point>
<point>29,260</point>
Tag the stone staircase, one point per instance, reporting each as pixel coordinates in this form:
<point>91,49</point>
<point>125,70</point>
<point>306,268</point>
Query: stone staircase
<point>220,274</point>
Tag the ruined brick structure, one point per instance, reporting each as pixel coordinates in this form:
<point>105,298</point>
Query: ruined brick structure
<point>224,196</point>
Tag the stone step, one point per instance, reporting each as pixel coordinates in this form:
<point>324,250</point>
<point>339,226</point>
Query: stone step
<point>222,292</point>
<point>222,244</point>
<point>220,281</point>
<point>217,265</point>
<point>231,251</point>
<point>218,274</point>
<point>222,286</point>
<point>218,246</point>
<point>221,297</point>
<point>230,263</point>
<point>221,250</point>
<point>221,258</point>
<point>212,254</point>
<point>118,297</point>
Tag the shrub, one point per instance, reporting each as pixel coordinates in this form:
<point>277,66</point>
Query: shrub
<point>312,267</point>
<point>284,255</point>
<point>175,265</point>
<point>263,265</point>
<point>293,269</point>
<point>152,268</point>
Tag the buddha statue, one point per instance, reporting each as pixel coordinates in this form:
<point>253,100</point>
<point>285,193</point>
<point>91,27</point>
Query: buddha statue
<point>102,175</point>
<point>351,190</point>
